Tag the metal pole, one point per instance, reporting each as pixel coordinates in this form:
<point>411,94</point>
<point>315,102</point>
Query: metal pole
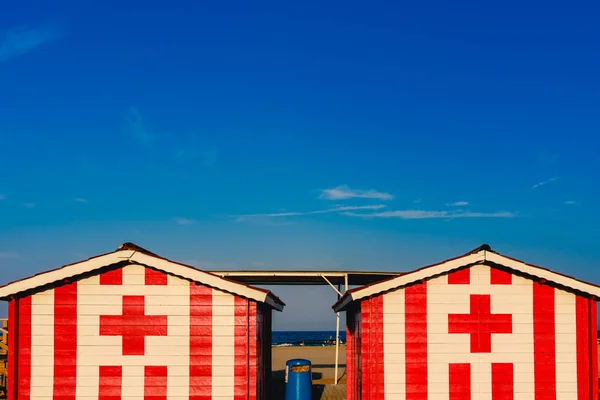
<point>333,287</point>
<point>337,342</point>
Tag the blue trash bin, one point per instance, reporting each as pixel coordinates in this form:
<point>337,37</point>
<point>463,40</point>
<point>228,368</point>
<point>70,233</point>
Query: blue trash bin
<point>298,379</point>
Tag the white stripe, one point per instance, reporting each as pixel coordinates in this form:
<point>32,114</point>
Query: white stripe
<point>566,345</point>
<point>134,275</point>
<point>442,348</point>
<point>394,345</point>
<point>42,345</point>
<point>481,372</point>
<point>178,363</point>
<point>88,378</point>
<point>133,385</point>
<point>223,346</point>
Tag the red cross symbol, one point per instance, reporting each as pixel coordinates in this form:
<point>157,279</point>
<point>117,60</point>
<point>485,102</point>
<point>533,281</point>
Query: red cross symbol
<point>480,324</point>
<point>134,325</point>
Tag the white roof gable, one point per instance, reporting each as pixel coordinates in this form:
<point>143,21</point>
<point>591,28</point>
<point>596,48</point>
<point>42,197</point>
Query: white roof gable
<point>481,255</point>
<point>132,254</point>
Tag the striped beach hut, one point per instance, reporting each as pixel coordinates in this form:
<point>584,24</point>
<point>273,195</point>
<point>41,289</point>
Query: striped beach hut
<point>482,326</point>
<point>133,325</point>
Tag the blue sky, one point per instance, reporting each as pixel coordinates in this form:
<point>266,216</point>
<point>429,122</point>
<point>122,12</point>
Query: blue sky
<point>308,135</point>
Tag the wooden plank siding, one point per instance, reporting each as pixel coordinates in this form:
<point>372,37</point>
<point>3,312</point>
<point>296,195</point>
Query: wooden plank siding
<point>537,348</point>
<point>205,347</point>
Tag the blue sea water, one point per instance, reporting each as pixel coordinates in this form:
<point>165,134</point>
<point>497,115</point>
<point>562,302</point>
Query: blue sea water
<point>309,338</point>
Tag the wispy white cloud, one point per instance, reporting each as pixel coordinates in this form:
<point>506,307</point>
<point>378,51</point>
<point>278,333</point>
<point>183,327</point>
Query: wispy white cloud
<point>458,204</point>
<point>18,41</point>
<point>28,205</point>
<point>339,209</point>
<point>542,183</point>
<point>424,214</point>
<point>80,200</point>
<point>570,202</point>
<point>344,192</point>
<point>183,221</point>
<point>9,254</point>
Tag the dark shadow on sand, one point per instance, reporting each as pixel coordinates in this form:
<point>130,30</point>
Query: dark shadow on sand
<point>328,366</point>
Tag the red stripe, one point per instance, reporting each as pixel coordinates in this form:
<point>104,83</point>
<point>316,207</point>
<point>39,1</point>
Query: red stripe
<point>155,383</point>
<point>65,352</point>
<point>261,369</point>
<point>460,381</point>
<point>584,376</point>
<point>23,373</point>
<point>593,344</point>
<point>544,351</point>
<point>114,277</point>
<point>111,383</point>
<point>253,353</point>
<point>200,342</point>
<point>500,277</point>
<point>378,384</point>
<point>460,277</point>
<point>349,356</point>
<point>416,341</point>
<point>502,381</point>
<point>155,277</point>
<point>365,321</point>
<point>241,350</point>
<point>13,332</point>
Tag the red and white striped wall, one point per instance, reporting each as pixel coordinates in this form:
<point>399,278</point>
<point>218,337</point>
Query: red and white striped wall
<point>133,333</point>
<point>475,334</point>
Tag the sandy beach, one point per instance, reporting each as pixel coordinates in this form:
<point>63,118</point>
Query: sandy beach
<point>322,359</point>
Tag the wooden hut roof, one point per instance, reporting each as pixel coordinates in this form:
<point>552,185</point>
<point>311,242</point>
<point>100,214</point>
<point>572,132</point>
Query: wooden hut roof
<point>130,253</point>
<point>481,255</point>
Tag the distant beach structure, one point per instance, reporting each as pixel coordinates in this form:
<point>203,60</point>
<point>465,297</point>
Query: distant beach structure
<point>472,326</point>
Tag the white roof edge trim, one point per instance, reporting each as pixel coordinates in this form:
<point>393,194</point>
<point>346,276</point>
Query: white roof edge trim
<point>543,273</point>
<point>412,277</point>
<point>465,260</point>
<point>96,263</point>
<point>68,271</point>
<point>201,276</point>
<point>278,273</point>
